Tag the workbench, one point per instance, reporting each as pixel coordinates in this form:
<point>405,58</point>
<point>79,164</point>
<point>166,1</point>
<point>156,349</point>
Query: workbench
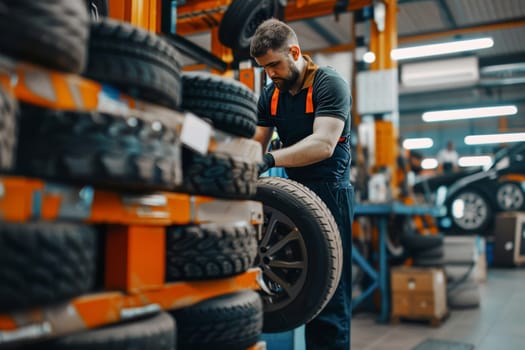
<point>379,277</point>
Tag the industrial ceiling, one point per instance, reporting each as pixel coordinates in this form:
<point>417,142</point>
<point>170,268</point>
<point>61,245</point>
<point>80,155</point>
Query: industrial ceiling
<point>501,67</point>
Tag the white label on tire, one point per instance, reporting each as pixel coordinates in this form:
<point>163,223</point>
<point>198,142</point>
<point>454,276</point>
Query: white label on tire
<point>196,133</point>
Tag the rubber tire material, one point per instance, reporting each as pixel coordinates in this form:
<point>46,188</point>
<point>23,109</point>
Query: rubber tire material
<point>517,186</point>
<point>323,243</point>
<point>466,295</point>
<point>242,17</point>
<point>156,332</point>
<point>209,251</point>
<point>228,104</point>
<point>228,322</point>
<point>94,148</point>
<point>8,130</point>
<point>139,63</point>
<point>53,33</point>
<point>218,175</point>
<point>42,263</point>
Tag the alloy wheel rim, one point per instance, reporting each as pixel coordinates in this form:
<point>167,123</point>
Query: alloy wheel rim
<point>510,197</point>
<point>475,211</point>
<point>283,259</point>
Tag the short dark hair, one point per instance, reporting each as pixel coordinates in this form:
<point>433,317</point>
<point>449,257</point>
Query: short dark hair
<point>272,34</point>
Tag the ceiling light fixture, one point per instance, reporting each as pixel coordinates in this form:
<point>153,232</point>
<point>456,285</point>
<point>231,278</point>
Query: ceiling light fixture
<point>495,138</point>
<point>369,57</point>
<point>474,161</point>
<point>429,163</point>
<point>441,49</point>
<point>469,113</point>
<point>418,143</point>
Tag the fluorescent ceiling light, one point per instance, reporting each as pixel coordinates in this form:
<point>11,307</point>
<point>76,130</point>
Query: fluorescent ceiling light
<point>429,163</point>
<point>474,161</point>
<point>369,57</point>
<point>441,49</point>
<point>418,143</point>
<point>469,113</point>
<point>495,138</point>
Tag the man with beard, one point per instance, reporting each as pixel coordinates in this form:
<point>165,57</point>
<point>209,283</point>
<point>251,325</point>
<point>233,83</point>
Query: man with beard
<point>310,108</point>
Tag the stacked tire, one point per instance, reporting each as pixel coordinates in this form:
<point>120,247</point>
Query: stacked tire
<point>53,262</point>
<point>122,152</point>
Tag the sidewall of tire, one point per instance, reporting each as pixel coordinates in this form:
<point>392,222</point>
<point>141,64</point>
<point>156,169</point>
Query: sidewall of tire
<point>318,255</point>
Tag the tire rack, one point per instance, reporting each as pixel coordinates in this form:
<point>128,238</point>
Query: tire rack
<point>134,284</point>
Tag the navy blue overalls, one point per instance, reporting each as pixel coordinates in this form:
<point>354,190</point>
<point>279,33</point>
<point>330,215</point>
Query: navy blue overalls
<point>331,328</point>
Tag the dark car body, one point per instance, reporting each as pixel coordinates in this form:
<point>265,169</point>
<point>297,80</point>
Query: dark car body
<point>473,200</point>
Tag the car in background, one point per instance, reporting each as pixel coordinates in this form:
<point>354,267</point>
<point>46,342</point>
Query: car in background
<point>473,200</point>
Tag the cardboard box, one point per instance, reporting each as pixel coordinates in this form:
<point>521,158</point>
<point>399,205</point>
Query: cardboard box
<point>418,292</point>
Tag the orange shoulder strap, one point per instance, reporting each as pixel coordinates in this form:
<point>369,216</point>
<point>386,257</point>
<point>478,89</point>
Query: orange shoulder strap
<point>309,101</point>
<point>275,101</point>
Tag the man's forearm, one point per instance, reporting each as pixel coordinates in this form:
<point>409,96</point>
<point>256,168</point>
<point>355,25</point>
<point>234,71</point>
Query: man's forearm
<point>310,150</point>
<point>263,135</point>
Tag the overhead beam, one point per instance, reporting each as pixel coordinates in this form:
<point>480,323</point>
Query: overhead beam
<point>196,52</point>
<point>311,9</point>
<point>501,59</point>
<point>520,22</point>
<point>322,31</point>
<point>447,13</point>
<point>333,49</point>
<point>200,16</point>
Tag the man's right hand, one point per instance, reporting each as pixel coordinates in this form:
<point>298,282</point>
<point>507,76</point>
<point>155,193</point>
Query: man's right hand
<point>267,163</point>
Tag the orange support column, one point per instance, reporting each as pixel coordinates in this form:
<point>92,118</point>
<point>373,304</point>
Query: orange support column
<point>142,13</point>
<point>382,42</point>
<point>120,9</point>
<point>135,258</point>
<point>383,39</point>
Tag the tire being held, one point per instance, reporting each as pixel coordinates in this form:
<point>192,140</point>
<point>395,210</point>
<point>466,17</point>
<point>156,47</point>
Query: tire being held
<point>300,253</point>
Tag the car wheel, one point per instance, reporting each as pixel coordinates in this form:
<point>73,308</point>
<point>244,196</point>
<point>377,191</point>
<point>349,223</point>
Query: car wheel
<point>470,211</point>
<point>510,196</point>
<point>300,253</point>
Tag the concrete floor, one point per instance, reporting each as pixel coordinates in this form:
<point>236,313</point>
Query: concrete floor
<point>498,324</point>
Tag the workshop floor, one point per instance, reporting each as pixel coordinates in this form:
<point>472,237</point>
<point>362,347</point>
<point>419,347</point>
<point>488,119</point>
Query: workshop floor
<point>499,323</point>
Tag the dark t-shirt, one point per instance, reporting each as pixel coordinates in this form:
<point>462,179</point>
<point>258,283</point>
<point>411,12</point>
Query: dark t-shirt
<point>331,97</point>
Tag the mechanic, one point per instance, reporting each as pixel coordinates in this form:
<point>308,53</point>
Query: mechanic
<point>448,158</point>
<point>310,108</point>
